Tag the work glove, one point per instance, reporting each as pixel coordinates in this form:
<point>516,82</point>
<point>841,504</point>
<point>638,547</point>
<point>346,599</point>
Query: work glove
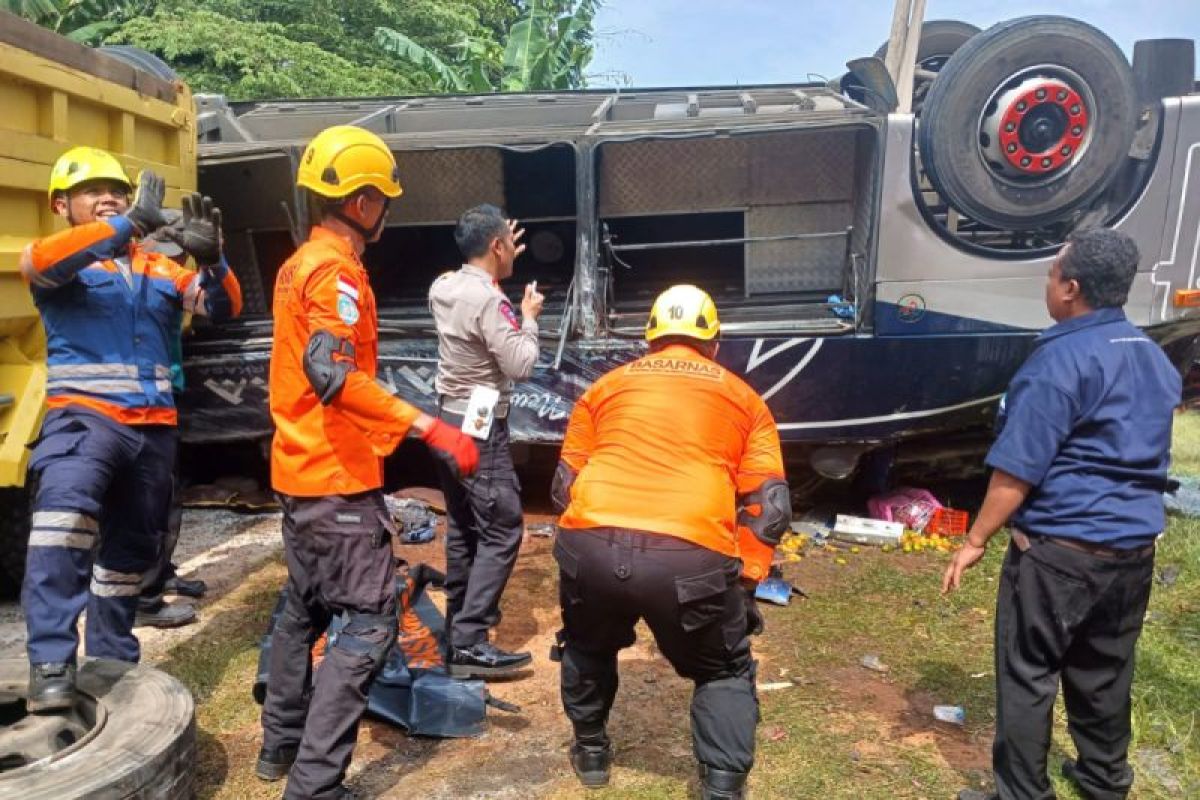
<point>754,618</point>
<point>198,231</point>
<point>453,446</point>
<point>146,213</point>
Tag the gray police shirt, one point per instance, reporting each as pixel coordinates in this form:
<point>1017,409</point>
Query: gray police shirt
<point>482,340</point>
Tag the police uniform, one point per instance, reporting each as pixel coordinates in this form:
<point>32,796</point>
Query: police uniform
<point>327,469</point>
<point>481,342</point>
<point>1087,422</point>
<point>658,456</point>
<point>107,448</point>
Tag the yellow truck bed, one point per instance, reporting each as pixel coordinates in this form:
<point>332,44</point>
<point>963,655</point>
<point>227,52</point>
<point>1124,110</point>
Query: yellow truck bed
<point>56,94</point>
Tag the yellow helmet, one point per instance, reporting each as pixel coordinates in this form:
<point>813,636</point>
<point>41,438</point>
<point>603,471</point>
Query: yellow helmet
<point>345,158</point>
<point>683,310</point>
<point>80,164</point>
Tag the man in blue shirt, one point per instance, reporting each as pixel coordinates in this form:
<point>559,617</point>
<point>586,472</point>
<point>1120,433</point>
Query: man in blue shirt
<point>1079,467</point>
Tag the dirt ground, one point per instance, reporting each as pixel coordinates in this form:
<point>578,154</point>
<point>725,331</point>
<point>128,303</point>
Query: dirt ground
<point>523,754</point>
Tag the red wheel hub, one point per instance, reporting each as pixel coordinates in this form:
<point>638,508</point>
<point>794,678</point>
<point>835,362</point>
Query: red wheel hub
<point>1041,105</point>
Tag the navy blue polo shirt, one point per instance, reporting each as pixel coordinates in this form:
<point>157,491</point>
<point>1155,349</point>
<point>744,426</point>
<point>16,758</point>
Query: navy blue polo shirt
<point>1087,421</point>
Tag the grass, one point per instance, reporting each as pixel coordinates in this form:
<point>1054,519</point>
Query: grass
<point>839,731</point>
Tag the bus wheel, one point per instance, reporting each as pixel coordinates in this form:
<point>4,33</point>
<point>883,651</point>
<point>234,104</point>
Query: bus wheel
<point>1028,122</point>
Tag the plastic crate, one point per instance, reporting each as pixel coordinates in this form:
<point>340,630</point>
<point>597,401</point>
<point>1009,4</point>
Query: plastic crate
<point>947,522</point>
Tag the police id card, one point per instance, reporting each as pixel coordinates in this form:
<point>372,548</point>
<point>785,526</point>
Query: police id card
<point>481,412</point>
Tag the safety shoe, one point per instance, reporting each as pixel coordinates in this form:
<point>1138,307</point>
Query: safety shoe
<point>185,588</point>
<point>591,763</point>
<point>485,660</point>
<point>164,615</point>
<point>51,688</point>
<point>721,784</point>
<point>275,764</point>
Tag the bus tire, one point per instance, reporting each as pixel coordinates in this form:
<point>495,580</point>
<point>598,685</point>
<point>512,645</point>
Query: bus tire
<point>1049,110</point>
<point>146,747</point>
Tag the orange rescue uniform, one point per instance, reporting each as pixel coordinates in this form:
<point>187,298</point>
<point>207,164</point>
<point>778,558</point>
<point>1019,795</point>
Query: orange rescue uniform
<point>339,448</point>
<point>666,444</point>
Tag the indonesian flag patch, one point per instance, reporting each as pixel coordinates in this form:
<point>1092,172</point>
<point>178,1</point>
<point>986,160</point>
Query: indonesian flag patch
<point>347,300</point>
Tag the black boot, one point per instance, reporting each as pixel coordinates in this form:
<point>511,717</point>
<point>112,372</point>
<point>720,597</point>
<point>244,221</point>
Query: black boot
<point>185,588</point>
<point>591,758</point>
<point>274,764</point>
<point>720,784</point>
<point>51,688</point>
<point>485,660</point>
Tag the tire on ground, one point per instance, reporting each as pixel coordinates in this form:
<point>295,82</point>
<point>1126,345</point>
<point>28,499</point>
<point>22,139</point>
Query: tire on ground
<point>146,748</point>
<point>141,59</point>
<point>14,538</point>
<point>950,139</point>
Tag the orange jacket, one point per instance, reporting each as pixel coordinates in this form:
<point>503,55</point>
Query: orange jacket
<point>666,444</point>
<point>339,448</point>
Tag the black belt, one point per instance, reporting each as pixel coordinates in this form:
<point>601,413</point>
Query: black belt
<point>1023,539</point>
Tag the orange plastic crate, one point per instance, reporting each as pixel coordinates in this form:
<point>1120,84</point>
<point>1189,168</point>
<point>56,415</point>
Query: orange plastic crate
<point>947,522</point>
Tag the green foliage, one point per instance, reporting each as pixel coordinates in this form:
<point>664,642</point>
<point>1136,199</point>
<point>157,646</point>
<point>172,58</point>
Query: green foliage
<point>243,60</point>
<point>296,48</point>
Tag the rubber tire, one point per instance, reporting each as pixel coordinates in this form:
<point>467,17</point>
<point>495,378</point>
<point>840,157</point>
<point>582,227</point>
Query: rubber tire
<point>14,538</point>
<point>938,37</point>
<point>141,59</point>
<point>956,100</point>
<point>146,749</point>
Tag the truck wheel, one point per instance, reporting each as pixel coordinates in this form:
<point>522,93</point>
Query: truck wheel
<point>133,735</point>
<point>141,59</point>
<point>940,39</point>
<point>1028,122</point>
<point>14,538</point>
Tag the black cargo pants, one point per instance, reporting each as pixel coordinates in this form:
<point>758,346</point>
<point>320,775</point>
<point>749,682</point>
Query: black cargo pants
<point>1064,614</point>
<point>339,559</point>
<point>484,525</point>
<point>691,599</point>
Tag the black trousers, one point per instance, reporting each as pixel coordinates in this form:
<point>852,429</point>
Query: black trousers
<point>691,599</point>
<point>484,525</point>
<point>1066,615</point>
<point>339,560</point>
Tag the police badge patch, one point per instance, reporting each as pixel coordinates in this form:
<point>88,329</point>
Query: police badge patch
<point>509,314</point>
<point>347,309</point>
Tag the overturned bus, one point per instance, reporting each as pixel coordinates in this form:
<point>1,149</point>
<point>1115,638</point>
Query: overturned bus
<point>880,276</point>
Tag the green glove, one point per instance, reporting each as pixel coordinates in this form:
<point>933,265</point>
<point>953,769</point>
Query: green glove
<point>199,230</point>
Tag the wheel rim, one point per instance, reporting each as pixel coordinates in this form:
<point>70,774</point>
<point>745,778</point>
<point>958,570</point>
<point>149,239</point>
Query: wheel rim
<point>1037,125</point>
<point>31,741</point>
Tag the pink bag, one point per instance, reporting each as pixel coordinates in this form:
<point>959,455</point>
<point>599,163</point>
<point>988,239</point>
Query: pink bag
<point>911,507</point>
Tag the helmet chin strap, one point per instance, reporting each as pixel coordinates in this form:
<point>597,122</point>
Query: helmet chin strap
<point>370,233</point>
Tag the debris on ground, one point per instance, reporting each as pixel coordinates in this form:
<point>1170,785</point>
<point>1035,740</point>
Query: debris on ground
<point>774,687</point>
<point>1183,495</point>
<point>861,530</point>
<point>955,715</point>
<point>913,542</point>
<point>776,590</point>
<point>544,529</point>
<point>874,663</point>
<point>912,508</point>
<point>415,519</point>
<point>233,492</point>
<point>1168,575</point>
<point>431,497</point>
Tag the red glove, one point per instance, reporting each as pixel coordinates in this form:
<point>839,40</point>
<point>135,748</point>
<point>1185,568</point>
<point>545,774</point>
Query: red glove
<point>451,444</point>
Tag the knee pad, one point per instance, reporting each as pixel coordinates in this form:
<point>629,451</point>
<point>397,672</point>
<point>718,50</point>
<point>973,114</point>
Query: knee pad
<point>368,635</point>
